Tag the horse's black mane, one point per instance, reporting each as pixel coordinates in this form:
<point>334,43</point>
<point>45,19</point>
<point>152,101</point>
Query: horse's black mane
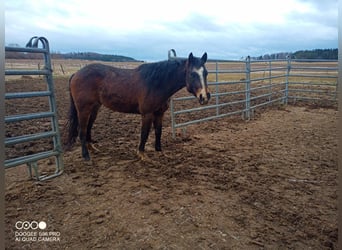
<point>158,73</point>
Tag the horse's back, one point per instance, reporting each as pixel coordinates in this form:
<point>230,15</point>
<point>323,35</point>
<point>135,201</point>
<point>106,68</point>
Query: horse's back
<point>96,77</point>
<point>118,89</point>
<point>91,72</point>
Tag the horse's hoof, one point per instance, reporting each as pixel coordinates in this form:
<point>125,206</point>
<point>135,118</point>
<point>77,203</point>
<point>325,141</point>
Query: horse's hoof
<point>92,147</point>
<point>143,157</point>
<point>86,157</point>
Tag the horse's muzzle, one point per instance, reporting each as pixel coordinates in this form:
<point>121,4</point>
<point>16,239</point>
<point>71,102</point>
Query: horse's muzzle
<point>204,100</point>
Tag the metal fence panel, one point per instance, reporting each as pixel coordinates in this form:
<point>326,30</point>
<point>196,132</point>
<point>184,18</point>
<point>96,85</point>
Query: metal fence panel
<point>31,160</point>
<point>240,86</point>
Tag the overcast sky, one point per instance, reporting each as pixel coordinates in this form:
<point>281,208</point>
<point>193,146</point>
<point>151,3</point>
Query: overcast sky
<point>147,29</point>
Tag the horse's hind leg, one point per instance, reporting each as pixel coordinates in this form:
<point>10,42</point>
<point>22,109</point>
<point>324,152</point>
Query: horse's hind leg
<point>84,117</point>
<point>83,123</point>
<point>91,121</point>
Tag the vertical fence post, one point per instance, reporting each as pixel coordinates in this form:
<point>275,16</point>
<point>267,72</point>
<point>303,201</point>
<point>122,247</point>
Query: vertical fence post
<point>173,119</point>
<point>53,106</point>
<point>217,90</point>
<point>172,55</point>
<point>288,68</point>
<point>248,88</point>
<point>339,75</point>
<point>270,79</point>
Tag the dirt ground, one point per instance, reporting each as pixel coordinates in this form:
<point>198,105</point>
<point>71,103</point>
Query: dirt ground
<point>269,183</point>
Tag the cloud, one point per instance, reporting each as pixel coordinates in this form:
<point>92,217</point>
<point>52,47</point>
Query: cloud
<point>148,29</point>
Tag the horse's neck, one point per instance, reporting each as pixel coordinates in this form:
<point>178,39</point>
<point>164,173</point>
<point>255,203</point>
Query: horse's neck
<point>178,82</point>
<point>159,95</point>
<point>167,83</point>
<point>176,86</point>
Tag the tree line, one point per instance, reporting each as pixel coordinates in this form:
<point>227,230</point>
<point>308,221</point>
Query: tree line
<point>95,56</point>
<point>72,55</point>
<point>328,54</point>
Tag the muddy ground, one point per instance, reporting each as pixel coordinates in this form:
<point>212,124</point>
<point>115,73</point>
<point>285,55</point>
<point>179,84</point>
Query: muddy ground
<point>270,183</point>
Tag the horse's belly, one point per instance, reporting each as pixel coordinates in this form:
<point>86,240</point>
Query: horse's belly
<point>120,98</point>
<point>118,106</point>
<point>127,109</point>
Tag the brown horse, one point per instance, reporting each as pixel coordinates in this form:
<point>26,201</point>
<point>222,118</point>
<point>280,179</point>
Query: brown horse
<point>144,90</point>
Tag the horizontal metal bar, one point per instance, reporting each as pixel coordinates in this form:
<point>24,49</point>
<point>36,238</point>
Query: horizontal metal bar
<point>23,117</point>
<point>27,94</point>
<point>186,98</point>
<point>260,96</point>
<point>179,125</point>
<point>232,103</point>
<point>267,86</point>
<point>226,71</point>
<point>312,91</point>
<point>194,109</point>
<point>25,138</point>
<point>30,158</point>
<point>267,78</point>
<point>26,49</point>
<point>313,84</point>
<point>267,95</point>
<point>267,103</point>
<point>268,69</point>
<point>314,68</point>
<point>58,172</point>
<point>217,94</point>
<point>268,60</point>
<point>313,60</point>
<point>11,72</point>
<point>226,82</point>
<point>208,107</point>
<point>311,98</point>
<point>313,76</point>
<point>228,93</point>
<point>272,85</point>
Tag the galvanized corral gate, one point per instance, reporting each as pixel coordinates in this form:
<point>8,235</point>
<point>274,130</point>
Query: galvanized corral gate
<point>241,86</point>
<point>31,159</point>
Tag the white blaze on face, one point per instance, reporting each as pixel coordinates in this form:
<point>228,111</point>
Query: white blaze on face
<point>203,90</point>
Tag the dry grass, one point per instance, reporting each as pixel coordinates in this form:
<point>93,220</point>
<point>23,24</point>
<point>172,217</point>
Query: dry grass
<point>67,67</point>
<point>233,74</point>
<point>60,67</point>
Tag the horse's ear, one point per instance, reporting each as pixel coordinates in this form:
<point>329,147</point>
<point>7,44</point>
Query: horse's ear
<point>204,58</point>
<point>191,58</point>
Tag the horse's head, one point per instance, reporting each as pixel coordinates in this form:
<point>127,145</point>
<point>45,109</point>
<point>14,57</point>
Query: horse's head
<point>196,78</point>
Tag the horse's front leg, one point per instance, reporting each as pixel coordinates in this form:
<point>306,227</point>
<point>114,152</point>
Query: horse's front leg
<point>157,124</point>
<point>146,123</point>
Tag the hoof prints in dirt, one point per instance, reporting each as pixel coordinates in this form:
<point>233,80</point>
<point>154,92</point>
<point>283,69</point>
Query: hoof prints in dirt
<point>270,183</point>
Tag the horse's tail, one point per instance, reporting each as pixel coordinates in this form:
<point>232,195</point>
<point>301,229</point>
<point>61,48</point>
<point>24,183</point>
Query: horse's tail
<point>72,123</point>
